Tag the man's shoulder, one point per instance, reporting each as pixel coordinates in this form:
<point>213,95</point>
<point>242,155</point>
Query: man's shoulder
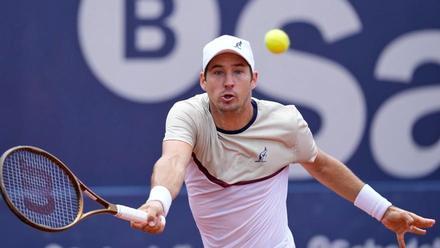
<point>271,107</point>
<point>195,104</point>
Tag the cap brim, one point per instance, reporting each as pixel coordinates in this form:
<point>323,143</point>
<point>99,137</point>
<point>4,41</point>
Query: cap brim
<point>227,51</point>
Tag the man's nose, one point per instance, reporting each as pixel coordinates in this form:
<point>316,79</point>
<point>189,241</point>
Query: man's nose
<point>229,80</point>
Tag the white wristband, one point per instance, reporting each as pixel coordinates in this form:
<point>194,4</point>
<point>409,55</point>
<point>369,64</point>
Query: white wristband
<point>163,195</point>
<point>372,202</point>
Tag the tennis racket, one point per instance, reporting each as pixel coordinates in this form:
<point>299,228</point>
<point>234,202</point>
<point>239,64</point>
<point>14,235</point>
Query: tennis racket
<point>45,194</point>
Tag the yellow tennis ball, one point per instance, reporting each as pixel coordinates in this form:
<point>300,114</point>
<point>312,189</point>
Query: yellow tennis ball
<point>277,41</point>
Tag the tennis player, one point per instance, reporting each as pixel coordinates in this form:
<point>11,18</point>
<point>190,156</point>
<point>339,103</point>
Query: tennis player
<point>233,151</point>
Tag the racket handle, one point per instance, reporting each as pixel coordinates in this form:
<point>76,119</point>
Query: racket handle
<point>132,214</point>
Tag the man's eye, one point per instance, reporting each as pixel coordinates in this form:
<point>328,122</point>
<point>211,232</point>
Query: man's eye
<point>218,73</point>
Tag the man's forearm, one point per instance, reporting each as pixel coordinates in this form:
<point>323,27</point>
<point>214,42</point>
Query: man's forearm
<point>169,173</point>
<point>335,175</point>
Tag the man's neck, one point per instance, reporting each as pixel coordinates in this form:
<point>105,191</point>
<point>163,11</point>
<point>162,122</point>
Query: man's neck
<point>234,120</point>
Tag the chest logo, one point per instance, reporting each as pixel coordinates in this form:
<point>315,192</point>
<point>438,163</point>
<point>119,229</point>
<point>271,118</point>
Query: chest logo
<point>262,157</point>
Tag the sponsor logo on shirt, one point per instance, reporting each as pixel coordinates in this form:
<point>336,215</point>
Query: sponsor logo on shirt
<point>262,157</point>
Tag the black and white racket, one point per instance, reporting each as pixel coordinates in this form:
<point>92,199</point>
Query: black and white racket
<point>44,193</point>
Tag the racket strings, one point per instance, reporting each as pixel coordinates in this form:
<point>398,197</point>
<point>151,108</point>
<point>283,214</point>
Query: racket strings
<point>41,191</point>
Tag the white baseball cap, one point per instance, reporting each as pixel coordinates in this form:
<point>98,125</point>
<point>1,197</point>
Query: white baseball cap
<point>228,43</point>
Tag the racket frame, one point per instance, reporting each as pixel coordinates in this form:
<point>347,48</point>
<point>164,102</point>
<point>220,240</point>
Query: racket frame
<point>78,185</point>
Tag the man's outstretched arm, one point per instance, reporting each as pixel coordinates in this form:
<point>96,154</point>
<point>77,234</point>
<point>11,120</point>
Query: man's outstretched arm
<point>166,182</point>
<point>337,177</point>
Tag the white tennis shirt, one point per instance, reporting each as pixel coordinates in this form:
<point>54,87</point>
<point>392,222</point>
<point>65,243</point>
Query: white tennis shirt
<point>237,180</point>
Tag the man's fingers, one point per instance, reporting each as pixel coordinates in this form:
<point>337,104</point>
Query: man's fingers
<point>421,222</point>
<point>401,221</point>
<point>401,240</point>
<point>416,230</point>
<point>154,226</point>
<point>151,220</point>
<point>155,222</point>
<point>137,225</point>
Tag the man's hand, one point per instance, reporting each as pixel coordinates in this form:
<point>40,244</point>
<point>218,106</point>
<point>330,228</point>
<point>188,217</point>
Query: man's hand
<point>401,221</point>
<point>154,224</point>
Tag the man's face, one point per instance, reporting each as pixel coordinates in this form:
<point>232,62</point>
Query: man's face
<point>229,82</point>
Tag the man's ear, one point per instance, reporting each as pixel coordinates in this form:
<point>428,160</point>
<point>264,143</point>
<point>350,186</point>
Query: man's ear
<point>202,81</point>
<point>254,79</point>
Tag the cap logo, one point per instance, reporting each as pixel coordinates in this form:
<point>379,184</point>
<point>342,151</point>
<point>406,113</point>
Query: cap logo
<point>238,45</point>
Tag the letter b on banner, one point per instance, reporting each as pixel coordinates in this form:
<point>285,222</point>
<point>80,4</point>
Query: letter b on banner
<point>133,59</point>
<point>147,34</point>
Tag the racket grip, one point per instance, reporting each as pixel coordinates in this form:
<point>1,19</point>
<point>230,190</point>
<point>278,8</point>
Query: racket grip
<point>132,214</point>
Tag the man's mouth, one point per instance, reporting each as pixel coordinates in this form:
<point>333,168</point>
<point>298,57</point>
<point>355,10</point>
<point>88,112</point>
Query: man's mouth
<point>227,96</point>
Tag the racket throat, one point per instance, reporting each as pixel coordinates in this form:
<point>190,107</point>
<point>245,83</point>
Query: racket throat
<point>94,196</point>
<point>90,195</point>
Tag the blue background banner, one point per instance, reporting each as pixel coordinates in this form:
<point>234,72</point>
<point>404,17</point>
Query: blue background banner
<point>92,82</point>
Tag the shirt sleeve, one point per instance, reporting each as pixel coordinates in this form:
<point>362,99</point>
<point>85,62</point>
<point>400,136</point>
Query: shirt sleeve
<point>305,146</point>
<point>180,124</point>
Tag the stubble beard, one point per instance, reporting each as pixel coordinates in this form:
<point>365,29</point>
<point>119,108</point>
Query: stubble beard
<point>237,106</point>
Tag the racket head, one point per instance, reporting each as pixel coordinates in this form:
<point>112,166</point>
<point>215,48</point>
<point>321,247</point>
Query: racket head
<point>40,189</point>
